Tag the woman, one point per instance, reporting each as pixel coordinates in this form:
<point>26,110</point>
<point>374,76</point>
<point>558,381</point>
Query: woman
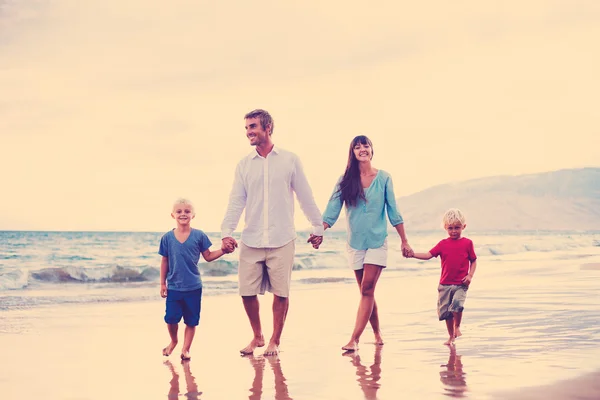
<point>367,194</point>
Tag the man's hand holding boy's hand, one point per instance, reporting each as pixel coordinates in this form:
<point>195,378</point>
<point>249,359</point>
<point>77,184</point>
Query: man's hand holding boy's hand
<point>163,290</point>
<point>467,279</point>
<point>228,245</point>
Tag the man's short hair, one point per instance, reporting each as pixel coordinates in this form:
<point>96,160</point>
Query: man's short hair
<point>264,118</point>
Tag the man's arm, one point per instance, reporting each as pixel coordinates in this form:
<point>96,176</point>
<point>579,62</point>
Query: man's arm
<point>306,199</point>
<point>164,269</point>
<point>235,207</point>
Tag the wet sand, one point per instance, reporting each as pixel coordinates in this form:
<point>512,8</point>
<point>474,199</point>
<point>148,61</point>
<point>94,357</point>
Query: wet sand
<point>586,387</point>
<point>515,344</point>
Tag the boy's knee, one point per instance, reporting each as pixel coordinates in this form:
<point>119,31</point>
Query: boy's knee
<point>172,319</point>
<point>192,323</point>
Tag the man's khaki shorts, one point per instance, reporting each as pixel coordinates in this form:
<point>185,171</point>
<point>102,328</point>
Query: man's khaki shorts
<point>265,269</point>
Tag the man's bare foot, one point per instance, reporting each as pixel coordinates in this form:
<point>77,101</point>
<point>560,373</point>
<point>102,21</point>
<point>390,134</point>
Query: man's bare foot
<point>457,332</point>
<point>378,339</point>
<point>169,349</point>
<point>256,342</point>
<point>185,356</point>
<point>449,342</point>
<point>351,346</point>
<point>271,350</point>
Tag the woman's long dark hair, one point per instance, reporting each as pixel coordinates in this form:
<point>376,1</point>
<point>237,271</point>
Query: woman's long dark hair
<point>351,189</point>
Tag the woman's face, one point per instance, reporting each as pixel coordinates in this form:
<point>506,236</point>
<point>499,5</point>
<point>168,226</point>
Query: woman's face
<point>363,152</point>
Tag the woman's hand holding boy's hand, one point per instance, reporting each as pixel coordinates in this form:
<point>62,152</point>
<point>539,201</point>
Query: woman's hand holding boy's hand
<point>163,290</point>
<point>407,251</point>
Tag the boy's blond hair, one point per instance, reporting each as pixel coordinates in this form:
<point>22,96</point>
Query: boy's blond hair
<point>181,200</point>
<point>453,216</point>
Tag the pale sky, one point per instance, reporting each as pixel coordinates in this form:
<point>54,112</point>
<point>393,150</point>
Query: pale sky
<point>111,109</point>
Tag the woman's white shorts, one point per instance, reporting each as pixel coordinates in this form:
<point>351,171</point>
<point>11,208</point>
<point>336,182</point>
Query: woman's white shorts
<point>358,258</point>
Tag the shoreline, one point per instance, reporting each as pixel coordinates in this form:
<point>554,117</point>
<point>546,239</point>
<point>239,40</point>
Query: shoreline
<point>101,350</point>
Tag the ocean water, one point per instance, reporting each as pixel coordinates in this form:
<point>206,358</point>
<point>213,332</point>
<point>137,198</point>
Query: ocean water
<point>41,268</point>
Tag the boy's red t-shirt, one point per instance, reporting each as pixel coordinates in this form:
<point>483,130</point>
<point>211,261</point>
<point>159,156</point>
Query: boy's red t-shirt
<point>457,255</point>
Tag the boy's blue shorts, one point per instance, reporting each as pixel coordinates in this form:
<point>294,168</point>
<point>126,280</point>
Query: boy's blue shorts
<point>183,304</point>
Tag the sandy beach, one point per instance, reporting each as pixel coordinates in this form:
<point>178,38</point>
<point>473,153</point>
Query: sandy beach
<point>516,345</point>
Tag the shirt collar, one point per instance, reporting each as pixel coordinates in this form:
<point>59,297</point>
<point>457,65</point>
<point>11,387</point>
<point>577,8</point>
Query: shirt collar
<point>254,154</point>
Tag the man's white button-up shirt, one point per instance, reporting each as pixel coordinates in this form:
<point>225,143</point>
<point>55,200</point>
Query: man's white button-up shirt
<point>265,187</point>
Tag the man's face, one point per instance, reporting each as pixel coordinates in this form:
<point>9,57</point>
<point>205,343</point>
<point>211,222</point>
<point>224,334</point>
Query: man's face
<point>255,133</point>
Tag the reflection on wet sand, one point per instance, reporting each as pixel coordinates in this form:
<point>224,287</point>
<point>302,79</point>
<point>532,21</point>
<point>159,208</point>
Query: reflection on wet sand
<point>368,377</point>
<point>190,382</point>
<point>258,363</point>
<point>453,378</point>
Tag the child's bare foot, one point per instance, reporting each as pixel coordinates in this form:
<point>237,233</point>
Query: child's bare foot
<point>169,349</point>
<point>457,332</point>
<point>378,339</point>
<point>351,346</point>
<point>185,356</point>
<point>256,342</point>
<point>271,350</point>
<point>449,342</point>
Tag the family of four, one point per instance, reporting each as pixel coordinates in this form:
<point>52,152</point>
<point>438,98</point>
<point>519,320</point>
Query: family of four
<point>264,186</point>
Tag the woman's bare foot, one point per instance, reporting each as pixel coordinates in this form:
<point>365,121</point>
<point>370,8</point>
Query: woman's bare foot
<point>449,342</point>
<point>457,332</point>
<point>378,339</point>
<point>351,346</point>
<point>256,342</point>
<point>271,350</point>
<point>185,356</point>
<point>169,349</point>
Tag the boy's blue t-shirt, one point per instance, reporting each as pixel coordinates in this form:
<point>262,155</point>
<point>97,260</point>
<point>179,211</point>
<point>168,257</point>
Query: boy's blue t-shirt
<point>183,258</point>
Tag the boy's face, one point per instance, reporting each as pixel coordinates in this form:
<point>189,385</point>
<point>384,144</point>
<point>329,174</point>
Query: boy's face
<point>455,230</point>
<point>183,214</point>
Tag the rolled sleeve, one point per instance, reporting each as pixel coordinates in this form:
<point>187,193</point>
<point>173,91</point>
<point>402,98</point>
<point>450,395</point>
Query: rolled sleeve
<point>334,206</point>
<point>390,200</point>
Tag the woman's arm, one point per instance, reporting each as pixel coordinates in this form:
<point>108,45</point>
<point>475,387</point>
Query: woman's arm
<point>334,207</point>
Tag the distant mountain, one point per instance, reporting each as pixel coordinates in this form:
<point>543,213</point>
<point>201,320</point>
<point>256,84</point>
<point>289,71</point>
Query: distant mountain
<point>559,200</point>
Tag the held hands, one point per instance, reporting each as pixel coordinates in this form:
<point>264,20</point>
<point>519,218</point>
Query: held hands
<point>163,290</point>
<point>228,245</point>
<point>407,251</point>
<point>315,241</point>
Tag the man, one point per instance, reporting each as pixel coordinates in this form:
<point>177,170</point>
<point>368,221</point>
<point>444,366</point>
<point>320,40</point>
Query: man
<point>264,184</point>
